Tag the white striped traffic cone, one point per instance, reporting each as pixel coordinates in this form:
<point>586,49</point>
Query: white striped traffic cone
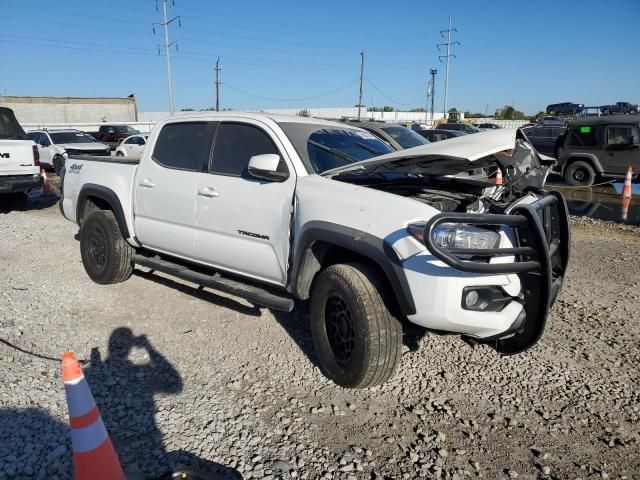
<point>93,453</point>
<point>498,180</point>
<point>626,190</point>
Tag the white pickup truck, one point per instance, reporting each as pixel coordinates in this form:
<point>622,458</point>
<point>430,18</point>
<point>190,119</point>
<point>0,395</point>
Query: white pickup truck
<point>277,208</point>
<point>19,161</point>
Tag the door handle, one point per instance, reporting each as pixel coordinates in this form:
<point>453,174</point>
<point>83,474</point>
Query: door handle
<point>208,192</point>
<point>146,183</point>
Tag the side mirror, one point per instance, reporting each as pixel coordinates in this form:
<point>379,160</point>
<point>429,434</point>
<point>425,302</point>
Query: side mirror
<point>635,140</point>
<point>266,167</point>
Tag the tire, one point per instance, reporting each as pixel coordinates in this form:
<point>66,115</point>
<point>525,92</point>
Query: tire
<point>352,294</point>
<point>106,255</point>
<point>580,174</point>
<point>119,154</point>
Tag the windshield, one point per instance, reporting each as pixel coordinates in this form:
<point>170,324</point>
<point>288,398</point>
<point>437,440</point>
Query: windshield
<point>405,137</point>
<point>333,147</point>
<point>70,137</point>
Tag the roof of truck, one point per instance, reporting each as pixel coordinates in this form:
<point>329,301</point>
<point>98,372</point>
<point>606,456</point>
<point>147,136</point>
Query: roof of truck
<point>276,117</point>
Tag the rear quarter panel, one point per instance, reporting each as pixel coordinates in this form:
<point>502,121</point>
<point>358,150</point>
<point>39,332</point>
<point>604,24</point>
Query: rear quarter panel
<point>114,175</point>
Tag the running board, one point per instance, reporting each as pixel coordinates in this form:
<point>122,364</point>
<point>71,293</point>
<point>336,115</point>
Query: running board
<point>216,281</point>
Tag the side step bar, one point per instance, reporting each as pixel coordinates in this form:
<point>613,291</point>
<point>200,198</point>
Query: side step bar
<point>252,293</point>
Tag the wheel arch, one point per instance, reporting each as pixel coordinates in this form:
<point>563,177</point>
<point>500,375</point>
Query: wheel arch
<point>583,157</point>
<point>103,198</point>
<point>322,244</point>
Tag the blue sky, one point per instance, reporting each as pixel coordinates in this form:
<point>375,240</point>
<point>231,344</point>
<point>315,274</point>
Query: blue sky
<point>529,53</point>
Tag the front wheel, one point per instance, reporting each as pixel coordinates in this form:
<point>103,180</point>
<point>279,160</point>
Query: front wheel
<point>106,255</point>
<point>580,174</point>
<point>119,154</point>
<point>357,340</point>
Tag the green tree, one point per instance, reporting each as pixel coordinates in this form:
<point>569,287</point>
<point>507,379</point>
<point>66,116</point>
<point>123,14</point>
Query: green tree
<point>303,113</point>
<point>509,113</point>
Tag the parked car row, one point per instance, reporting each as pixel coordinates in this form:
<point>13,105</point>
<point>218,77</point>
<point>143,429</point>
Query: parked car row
<point>576,109</point>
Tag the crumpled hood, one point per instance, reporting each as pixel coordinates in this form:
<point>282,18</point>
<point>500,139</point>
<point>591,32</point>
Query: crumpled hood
<point>457,152</point>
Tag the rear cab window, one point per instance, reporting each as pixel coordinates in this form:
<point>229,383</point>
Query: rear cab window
<point>185,145</point>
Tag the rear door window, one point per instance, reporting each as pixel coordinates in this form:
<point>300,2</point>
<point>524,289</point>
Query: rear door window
<point>185,146</point>
<point>236,143</point>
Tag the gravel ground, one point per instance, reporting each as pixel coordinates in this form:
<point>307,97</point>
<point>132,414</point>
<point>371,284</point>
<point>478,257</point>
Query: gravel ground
<point>185,376</point>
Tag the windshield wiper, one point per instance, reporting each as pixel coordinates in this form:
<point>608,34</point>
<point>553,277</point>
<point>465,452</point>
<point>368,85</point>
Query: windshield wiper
<point>334,151</point>
<point>369,148</point>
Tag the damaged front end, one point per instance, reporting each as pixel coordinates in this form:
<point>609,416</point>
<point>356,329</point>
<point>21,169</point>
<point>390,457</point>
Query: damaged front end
<point>463,190</point>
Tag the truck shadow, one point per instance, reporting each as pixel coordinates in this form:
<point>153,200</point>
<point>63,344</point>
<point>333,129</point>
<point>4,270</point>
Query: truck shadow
<point>200,293</point>
<point>34,201</point>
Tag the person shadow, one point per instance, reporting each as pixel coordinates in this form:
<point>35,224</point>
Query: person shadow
<point>124,385</point>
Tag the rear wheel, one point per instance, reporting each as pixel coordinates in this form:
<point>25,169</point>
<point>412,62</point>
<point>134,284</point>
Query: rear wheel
<point>580,173</point>
<point>357,340</point>
<point>106,255</point>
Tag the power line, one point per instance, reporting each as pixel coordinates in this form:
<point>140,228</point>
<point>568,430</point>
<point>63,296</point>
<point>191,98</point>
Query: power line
<point>447,56</point>
<point>392,100</point>
<point>290,99</point>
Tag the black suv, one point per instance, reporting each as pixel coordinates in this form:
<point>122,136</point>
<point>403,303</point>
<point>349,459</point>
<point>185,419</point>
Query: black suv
<point>599,147</point>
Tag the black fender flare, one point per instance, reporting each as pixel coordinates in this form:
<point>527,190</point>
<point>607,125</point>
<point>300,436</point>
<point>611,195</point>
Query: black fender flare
<point>109,196</point>
<point>308,259</point>
<point>573,157</point>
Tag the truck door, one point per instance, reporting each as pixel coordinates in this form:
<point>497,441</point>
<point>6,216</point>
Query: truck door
<point>619,150</point>
<point>243,222</point>
<point>166,186</point>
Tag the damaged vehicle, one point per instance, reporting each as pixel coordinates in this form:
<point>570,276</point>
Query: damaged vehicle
<point>276,209</point>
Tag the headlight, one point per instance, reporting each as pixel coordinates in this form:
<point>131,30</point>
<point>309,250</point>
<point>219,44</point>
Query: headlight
<point>453,235</point>
<point>65,154</point>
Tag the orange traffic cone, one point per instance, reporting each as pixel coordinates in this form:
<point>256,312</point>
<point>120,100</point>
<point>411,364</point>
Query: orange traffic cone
<point>46,187</point>
<point>624,211</point>
<point>93,453</point>
<point>626,190</point>
<point>498,180</point>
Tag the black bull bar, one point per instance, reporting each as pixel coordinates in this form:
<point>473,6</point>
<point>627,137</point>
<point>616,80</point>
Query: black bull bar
<point>541,255</point>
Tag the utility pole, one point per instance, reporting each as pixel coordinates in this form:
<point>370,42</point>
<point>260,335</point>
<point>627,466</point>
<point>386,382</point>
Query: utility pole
<point>486,111</point>
<point>218,85</point>
<point>167,47</point>
<point>361,78</point>
<point>433,91</point>
<point>447,57</point>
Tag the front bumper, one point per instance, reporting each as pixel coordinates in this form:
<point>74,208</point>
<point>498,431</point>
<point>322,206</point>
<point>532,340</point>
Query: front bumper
<point>19,183</point>
<point>540,253</point>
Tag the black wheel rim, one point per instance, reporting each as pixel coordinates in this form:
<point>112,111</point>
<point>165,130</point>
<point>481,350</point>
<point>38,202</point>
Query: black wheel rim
<point>97,248</point>
<point>580,174</point>
<point>340,328</point>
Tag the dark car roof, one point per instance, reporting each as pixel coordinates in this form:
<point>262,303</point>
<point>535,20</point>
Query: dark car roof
<point>606,120</point>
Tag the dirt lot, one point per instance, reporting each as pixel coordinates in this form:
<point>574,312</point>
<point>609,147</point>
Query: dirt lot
<point>187,376</point>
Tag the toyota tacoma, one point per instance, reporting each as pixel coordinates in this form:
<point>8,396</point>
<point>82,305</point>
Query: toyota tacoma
<point>276,209</point>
